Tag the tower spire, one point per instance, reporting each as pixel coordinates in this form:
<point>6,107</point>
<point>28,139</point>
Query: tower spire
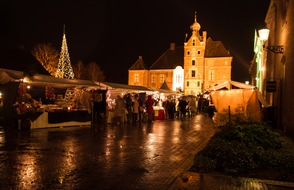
<point>195,27</point>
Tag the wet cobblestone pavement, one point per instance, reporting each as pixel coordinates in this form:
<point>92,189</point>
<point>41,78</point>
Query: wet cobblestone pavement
<point>146,156</point>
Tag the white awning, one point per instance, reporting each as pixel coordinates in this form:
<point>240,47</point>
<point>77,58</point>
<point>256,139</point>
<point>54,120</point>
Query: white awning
<point>130,88</point>
<point>228,84</point>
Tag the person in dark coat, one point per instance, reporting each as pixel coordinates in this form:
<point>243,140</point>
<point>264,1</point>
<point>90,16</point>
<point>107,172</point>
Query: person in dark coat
<point>172,109</point>
<point>183,108</point>
<point>129,107</point>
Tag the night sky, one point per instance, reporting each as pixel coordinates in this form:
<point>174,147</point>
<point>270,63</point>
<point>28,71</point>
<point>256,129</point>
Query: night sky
<point>113,33</point>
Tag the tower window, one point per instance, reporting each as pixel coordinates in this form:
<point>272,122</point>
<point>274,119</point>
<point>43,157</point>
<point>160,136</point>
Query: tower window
<point>193,42</point>
<point>198,52</point>
<point>193,62</point>
<point>198,83</point>
<point>188,52</point>
<point>193,73</point>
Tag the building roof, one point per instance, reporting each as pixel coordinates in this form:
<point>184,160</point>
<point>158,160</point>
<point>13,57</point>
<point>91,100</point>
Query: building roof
<point>172,58</point>
<point>139,65</point>
<point>215,49</point>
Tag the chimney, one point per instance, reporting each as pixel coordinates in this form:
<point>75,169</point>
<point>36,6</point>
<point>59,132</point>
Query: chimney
<point>172,46</point>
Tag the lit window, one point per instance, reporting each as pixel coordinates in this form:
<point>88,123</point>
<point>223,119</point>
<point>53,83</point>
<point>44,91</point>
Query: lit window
<point>152,79</point>
<point>161,78</point>
<point>136,78</point>
<point>211,74</point>
<point>178,78</point>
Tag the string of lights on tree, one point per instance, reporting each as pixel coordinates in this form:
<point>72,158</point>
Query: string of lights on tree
<point>64,69</point>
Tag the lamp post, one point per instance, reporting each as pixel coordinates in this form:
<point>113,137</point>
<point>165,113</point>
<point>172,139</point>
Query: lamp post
<point>277,49</point>
<point>263,35</point>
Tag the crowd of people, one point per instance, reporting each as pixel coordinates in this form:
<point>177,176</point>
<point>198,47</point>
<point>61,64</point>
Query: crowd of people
<point>132,108</point>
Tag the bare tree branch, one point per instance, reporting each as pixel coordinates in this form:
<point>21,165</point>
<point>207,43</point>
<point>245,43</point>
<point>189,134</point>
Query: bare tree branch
<point>79,70</point>
<point>95,72</point>
<point>47,56</point>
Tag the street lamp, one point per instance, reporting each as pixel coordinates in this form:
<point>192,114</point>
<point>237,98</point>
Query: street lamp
<point>263,35</point>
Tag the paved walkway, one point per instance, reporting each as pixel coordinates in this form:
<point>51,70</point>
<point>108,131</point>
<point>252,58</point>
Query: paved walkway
<point>153,156</point>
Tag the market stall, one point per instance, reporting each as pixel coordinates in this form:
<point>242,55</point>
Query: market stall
<point>235,101</point>
<point>42,101</point>
<point>9,81</point>
<point>67,102</point>
<point>114,90</point>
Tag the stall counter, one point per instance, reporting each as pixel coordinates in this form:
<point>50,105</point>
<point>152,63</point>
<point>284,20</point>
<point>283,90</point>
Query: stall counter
<point>61,119</point>
<point>159,114</point>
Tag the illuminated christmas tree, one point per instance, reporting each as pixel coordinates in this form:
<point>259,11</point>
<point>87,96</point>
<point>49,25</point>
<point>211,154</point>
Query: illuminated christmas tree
<point>64,69</point>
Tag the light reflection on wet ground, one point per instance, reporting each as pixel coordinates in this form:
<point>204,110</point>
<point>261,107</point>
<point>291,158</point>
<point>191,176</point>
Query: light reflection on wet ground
<point>102,157</point>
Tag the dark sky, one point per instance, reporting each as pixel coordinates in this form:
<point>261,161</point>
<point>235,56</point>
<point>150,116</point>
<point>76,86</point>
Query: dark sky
<point>113,33</point>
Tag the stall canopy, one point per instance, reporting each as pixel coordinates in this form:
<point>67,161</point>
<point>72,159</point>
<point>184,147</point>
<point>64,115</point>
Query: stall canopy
<point>230,85</point>
<point>39,79</point>
<point>243,101</point>
<point>7,76</point>
<point>43,80</point>
<point>125,87</point>
<point>116,87</point>
<point>167,92</point>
